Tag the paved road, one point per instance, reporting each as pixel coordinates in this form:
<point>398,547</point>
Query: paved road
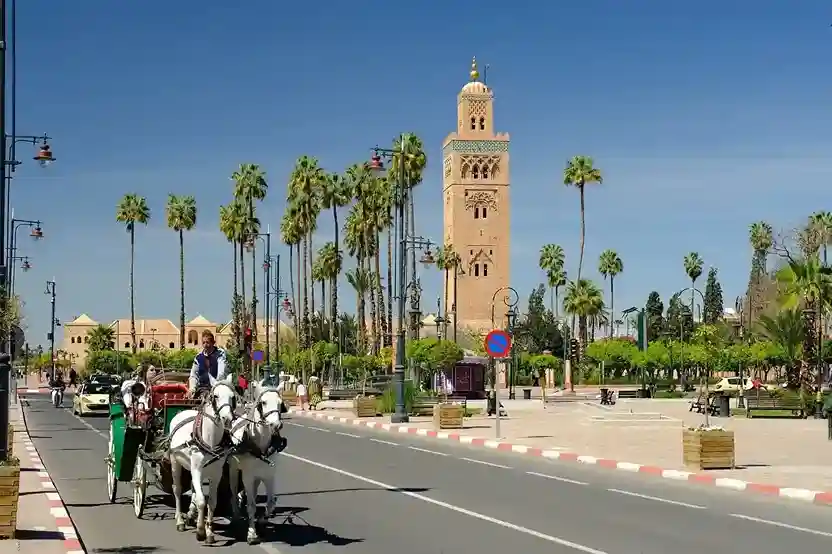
<point>356,490</point>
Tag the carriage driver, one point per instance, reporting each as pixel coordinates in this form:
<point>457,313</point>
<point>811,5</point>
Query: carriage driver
<point>209,365</point>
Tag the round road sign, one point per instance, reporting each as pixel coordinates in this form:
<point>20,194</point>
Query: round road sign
<point>258,356</point>
<point>498,344</point>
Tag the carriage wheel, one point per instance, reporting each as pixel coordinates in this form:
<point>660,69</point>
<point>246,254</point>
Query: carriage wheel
<point>112,482</point>
<point>139,486</point>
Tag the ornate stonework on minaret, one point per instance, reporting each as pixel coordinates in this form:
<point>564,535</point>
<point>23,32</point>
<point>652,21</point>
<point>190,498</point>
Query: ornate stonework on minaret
<point>477,206</point>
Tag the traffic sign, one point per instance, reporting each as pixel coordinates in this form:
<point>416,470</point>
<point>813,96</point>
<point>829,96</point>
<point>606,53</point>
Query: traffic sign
<point>258,356</point>
<point>498,344</point>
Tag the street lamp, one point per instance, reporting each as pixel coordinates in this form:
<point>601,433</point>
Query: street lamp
<point>25,265</point>
<point>739,306</point>
<point>439,319</point>
<point>273,290</point>
<point>36,233</point>
<point>400,192</point>
<point>510,299</point>
<point>511,318</point>
<point>693,291</point>
<point>50,291</point>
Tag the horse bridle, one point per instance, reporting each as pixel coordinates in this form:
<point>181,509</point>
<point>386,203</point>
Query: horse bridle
<point>211,399</point>
<point>259,405</point>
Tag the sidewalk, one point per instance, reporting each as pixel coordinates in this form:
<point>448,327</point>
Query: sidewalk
<point>43,524</point>
<point>774,456</point>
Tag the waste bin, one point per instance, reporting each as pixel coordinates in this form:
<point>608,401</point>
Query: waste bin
<point>492,403</point>
<point>527,394</point>
<point>724,405</point>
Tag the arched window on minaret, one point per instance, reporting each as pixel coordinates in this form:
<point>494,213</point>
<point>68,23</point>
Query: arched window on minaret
<point>482,124</point>
<point>485,171</point>
<point>473,123</point>
<point>475,172</point>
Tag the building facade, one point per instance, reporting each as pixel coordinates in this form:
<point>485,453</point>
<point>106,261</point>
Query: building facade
<point>150,333</point>
<point>477,206</point>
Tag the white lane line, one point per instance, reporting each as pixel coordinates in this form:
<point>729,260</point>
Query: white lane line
<point>426,451</point>
<point>321,429</point>
<point>473,461</point>
<point>451,507</point>
<point>391,443</point>
<point>783,525</point>
<point>347,435</point>
<point>556,478</point>
<point>657,499</point>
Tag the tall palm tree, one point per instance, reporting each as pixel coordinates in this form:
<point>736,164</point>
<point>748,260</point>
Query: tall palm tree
<point>610,265</point>
<point>409,146</point>
<point>132,210</point>
<point>693,267</point>
<point>181,216</point>
<point>241,224</point>
<point>331,263</point>
<point>228,227</point>
<point>335,194</point>
<point>583,300</point>
<point>822,221</point>
<point>250,186</point>
<point>581,171</point>
<point>360,280</point>
<point>785,329</point>
<point>761,237</point>
<point>552,259</point>
<point>556,279</point>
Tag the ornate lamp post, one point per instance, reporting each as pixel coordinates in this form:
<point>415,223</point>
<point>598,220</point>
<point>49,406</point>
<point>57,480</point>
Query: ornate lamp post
<point>273,290</point>
<point>376,165</point>
<point>511,318</point>
<point>36,234</point>
<point>440,321</point>
<point>739,307</point>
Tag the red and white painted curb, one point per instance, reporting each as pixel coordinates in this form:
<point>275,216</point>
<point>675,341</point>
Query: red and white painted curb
<point>805,495</point>
<point>56,504</point>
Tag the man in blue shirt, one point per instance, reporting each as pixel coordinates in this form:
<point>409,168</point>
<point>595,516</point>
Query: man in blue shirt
<point>209,365</point>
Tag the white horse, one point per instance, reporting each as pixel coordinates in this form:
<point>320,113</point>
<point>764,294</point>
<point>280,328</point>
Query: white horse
<point>256,432</point>
<point>196,445</point>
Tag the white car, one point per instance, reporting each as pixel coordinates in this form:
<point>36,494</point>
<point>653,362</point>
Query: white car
<point>92,398</point>
<point>733,384</point>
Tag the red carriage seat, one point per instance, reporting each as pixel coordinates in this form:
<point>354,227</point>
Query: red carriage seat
<point>162,393</point>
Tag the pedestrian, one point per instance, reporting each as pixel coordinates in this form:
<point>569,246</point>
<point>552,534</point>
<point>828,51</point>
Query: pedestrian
<point>315,396</point>
<point>301,395</point>
<point>242,385</point>
<point>73,378</point>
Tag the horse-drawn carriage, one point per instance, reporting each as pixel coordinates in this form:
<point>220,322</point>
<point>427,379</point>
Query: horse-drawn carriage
<point>138,434</point>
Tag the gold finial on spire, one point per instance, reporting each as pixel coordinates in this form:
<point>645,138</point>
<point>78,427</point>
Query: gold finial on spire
<point>475,74</point>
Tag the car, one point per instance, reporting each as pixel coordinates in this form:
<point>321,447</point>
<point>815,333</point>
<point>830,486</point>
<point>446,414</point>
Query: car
<point>92,398</point>
<point>733,384</point>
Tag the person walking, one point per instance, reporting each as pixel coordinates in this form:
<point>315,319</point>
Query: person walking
<point>302,395</point>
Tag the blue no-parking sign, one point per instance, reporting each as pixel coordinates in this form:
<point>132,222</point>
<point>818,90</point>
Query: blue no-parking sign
<point>498,344</point>
<point>258,356</point>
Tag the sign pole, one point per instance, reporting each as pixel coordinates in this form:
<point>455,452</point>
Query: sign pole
<point>496,400</point>
<point>498,346</point>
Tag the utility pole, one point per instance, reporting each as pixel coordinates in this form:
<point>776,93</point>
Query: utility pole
<point>5,359</point>
<point>50,290</point>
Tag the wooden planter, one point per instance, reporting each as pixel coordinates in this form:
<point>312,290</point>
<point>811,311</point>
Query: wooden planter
<point>448,416</point>
<point>364,406</point>
<point>707,449</point>
<point>9,495</point>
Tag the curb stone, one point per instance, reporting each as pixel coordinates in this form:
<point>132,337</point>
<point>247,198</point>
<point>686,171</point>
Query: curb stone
<point>805,495</point>
<point>56,504</point>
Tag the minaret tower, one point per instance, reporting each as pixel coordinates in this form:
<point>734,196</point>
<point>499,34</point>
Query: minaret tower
<point>477,206</point>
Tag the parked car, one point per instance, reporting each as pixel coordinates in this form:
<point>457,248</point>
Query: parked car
<point>733,384</point>
<point>92,398</point>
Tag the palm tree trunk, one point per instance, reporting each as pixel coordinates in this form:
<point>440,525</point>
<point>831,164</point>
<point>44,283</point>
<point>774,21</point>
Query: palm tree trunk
<point>299,326</point>
<point>132,286</point>
<point>373,311</point>
<point>583,231</point>
<point>305,279</point>
<point>379,291</point>
<point>333,306</point>
<point>390,281</point>
<point>254,289</point>
<point>181,289</point>
<point>323,302</point>
<point>311,284</point>
<point>242,281</point>
<point>362,312</point>
<point>411,220</point>
<point>612,305</point>
<point>557,303</point>
<point>445,301</point>
<point>234,256</point>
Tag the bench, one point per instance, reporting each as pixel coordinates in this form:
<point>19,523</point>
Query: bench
<point>701,404</point>
<point>761,400</point>
<point>631,393</point>
<point>423,405</point>
<point>349,394</point>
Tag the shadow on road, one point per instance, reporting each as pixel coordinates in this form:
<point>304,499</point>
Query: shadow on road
<point>129,550</point>
<point>36,535</point>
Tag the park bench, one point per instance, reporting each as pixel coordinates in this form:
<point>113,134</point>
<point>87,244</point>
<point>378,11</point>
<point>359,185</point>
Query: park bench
<point>350,393</point>
<point>630,393</point>
<point>423,405</point>
<point>761,400</point>
<point>703,403</point>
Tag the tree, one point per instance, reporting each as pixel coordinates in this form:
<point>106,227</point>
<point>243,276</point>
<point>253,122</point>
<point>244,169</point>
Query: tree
<point>693,268</point>
<point>610,265</point>
<point>538,330</point>
<point>552,259</point>
<point>250,186</point>
<point>181,217</point>
<point>714,308</point>
<point>132,210</point>
<point>583,300</point>
<point>335,194</point>
<point>101,337</point>
<point>580,172</point>
<point>678,323</point>
<point>761,237</point>
<point>654,312</point>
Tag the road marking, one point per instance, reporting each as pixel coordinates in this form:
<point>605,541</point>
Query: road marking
<point>321,429</point>
<point>391,443</point>
<point>556,478</point>
<point>473,461</point>
<point>347,435</point>
<point>90,427</point>
<point>783,525</point>
<point>426,451</point>
<point>451,507</point>
<point>657,499</point>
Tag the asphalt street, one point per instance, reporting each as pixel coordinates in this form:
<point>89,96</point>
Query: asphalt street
<point>353,489</point>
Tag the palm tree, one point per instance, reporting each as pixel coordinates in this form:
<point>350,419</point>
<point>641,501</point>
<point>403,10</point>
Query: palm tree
<point>101,337</point>
<point>761,237</point>
<point>241,224</point>
<point>610,265</point>
<point>807,284</point>
<point>290,236</point>
<point>132,210</point>
<point>693,267</point>
<point>335,194</point>
<point>552,259</point>
<point>181,217</point>
<point>580,172</point>
<point>331,262</point>
<point>785,329</point>
<point>822,221</point>
<point>583,300</point>
<point>250,186</point>
<point>228,228</point>
<point>360,280</point>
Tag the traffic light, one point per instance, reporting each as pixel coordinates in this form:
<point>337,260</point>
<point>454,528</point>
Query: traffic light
<point>573,350</point>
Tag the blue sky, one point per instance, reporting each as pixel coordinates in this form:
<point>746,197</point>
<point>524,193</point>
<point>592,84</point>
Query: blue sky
<point>703,118</point>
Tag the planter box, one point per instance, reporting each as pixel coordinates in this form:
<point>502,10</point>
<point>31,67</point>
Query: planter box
<point>707,449</point>
<point>448,416</point>
<point>290,398</point>
<point>9,495</point>
<point>364,406</point>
